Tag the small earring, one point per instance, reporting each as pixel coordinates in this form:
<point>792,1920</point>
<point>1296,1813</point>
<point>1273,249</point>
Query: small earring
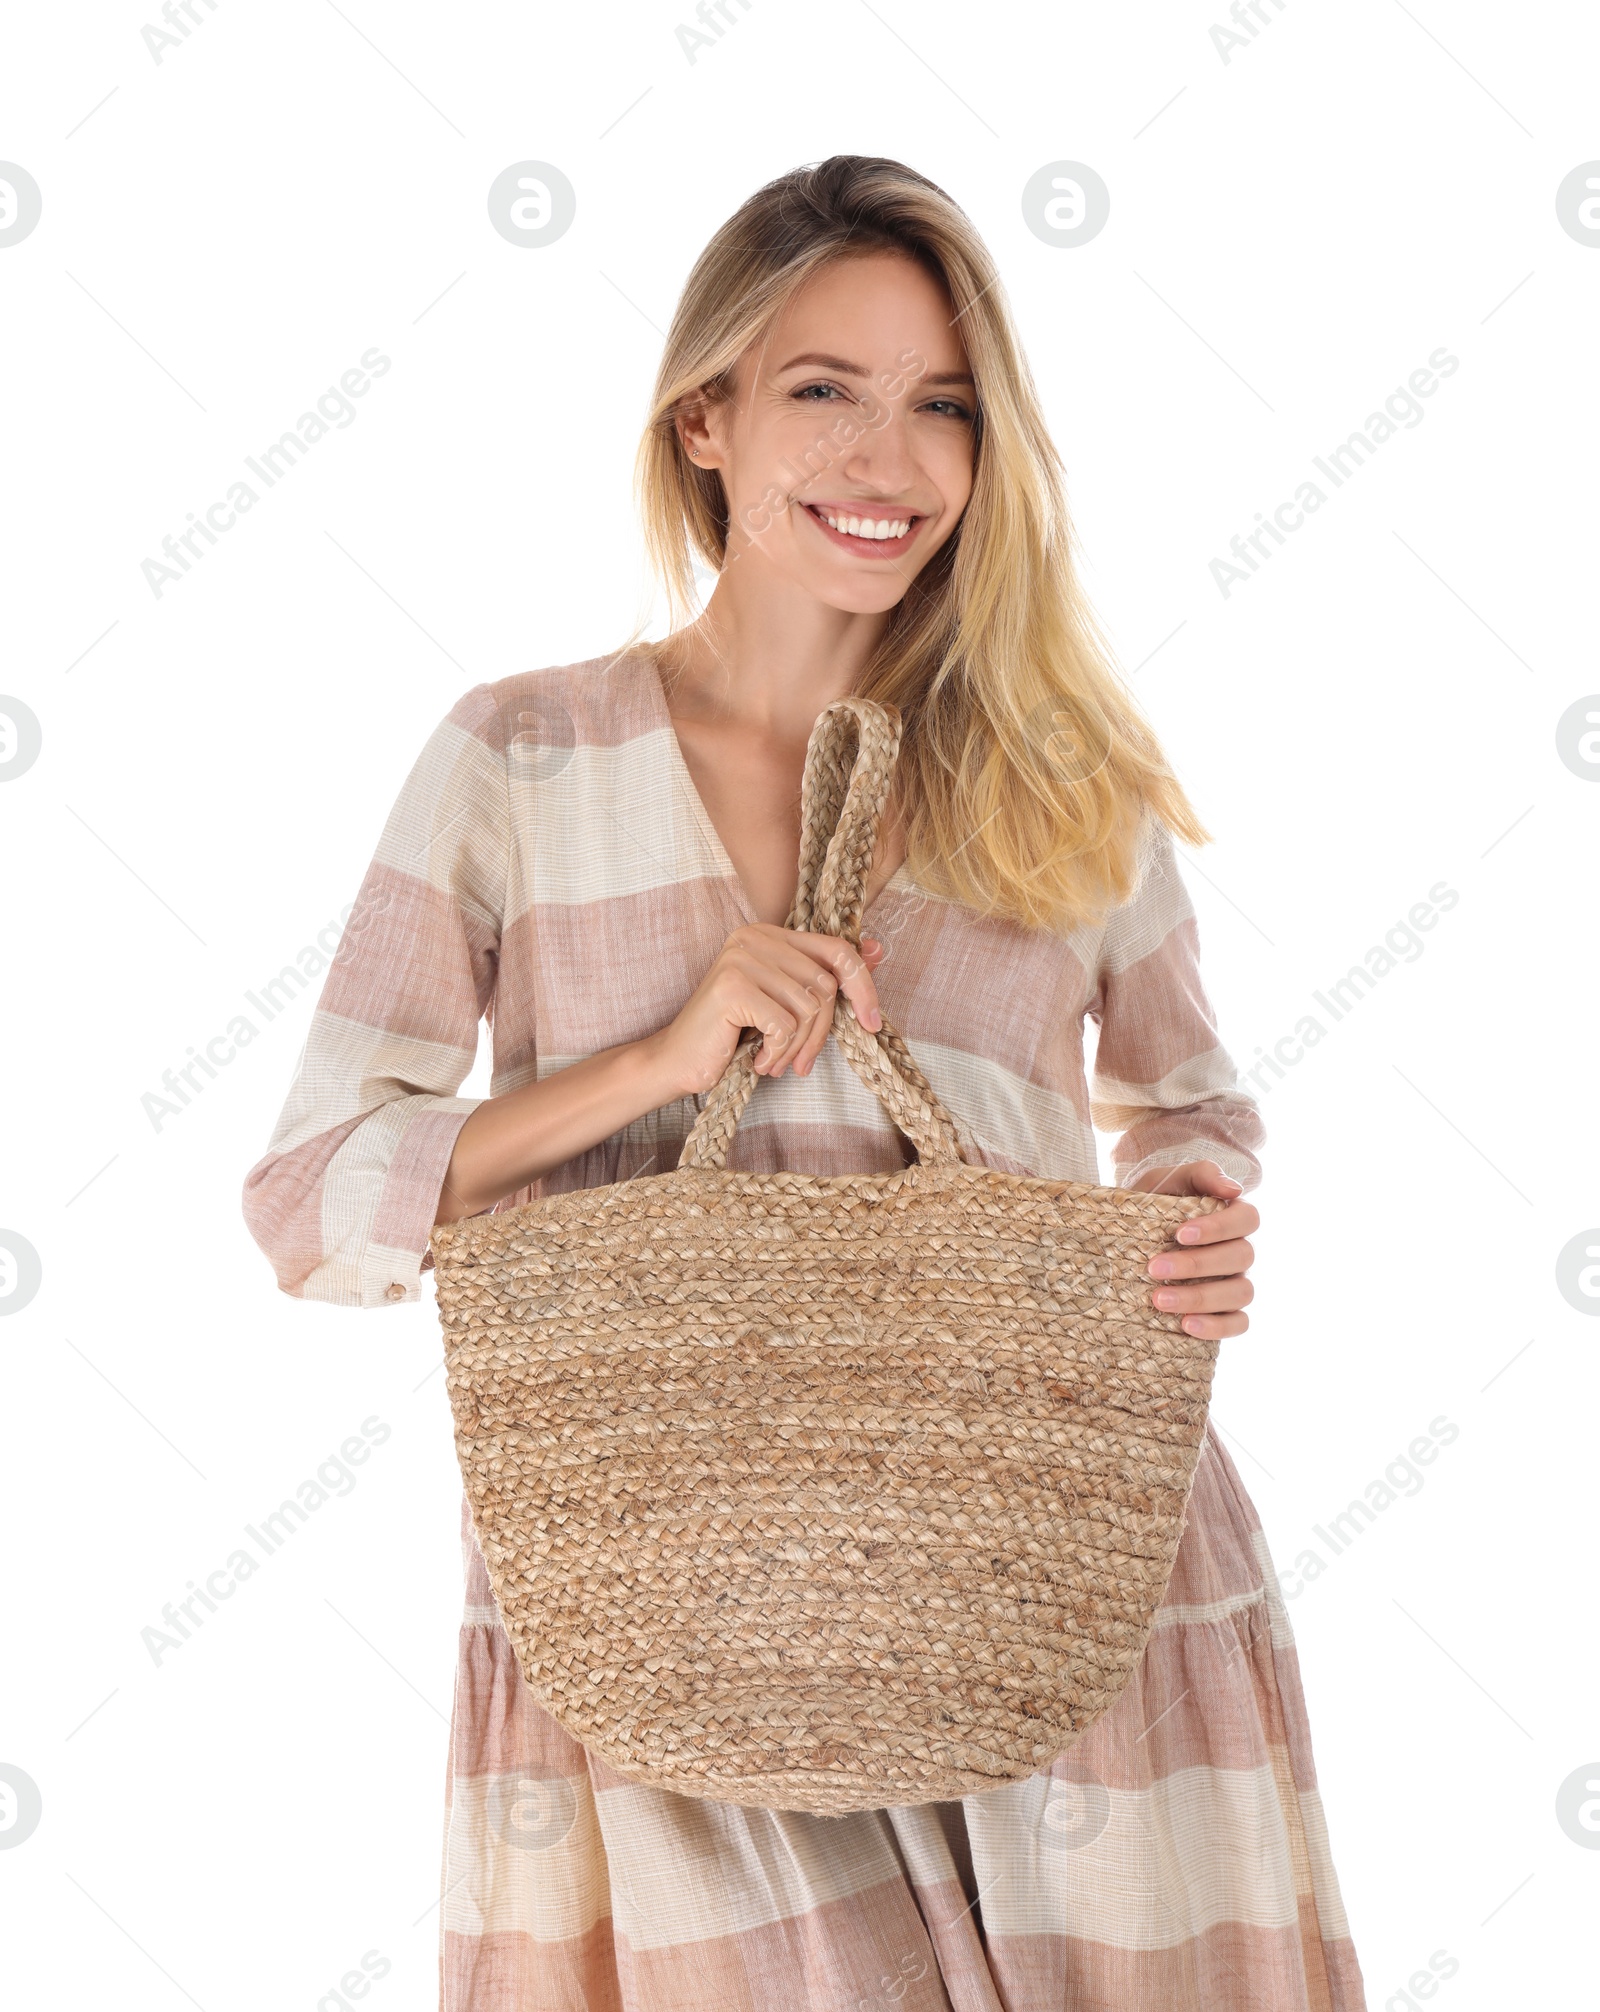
<point>695,451</point>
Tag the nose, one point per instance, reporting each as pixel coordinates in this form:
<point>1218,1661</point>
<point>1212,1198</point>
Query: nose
<point>882,458</point>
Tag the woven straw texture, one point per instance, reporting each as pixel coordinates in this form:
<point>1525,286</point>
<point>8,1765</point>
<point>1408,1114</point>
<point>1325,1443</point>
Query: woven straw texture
<point>825,1493</point>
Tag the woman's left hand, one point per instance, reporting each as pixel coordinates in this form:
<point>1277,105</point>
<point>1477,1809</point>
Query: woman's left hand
<point>1213,1306</point>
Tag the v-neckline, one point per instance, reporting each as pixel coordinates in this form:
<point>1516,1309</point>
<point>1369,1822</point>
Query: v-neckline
<point>709,834</point>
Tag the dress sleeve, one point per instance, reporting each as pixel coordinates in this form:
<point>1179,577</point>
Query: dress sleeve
<point>344,1198</point>
<point>1161,1078</point>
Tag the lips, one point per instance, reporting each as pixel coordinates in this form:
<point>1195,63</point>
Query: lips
<point>868,548</point>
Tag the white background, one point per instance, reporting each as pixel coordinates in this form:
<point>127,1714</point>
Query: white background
<point>1292,233</point>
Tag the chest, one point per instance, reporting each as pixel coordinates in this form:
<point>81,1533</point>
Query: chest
<point>621,894</point>
<point>747,792</point>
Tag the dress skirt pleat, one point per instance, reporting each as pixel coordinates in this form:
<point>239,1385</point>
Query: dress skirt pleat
<point>1174,1860</point>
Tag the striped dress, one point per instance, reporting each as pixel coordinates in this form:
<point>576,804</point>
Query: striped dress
<point>549,866</point>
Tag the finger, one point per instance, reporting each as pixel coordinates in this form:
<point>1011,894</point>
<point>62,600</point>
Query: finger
<point>782,950</point>
<point>807,970</point>
<point>807,1049</point>
<point>778,1032</point>
<point>783,1003</point>
<point>1195,1177</point>
<point>1215,1326</point>
<point>849,967</point>
<point>1234,1219</point>
<point>873,953</point>
<point>810,990</point>
<point>1210,1261</point>
<point>745,1000</point>
<point>1213,1295</point>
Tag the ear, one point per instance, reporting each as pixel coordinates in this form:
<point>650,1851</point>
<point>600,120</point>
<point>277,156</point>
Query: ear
<point>696,438</point>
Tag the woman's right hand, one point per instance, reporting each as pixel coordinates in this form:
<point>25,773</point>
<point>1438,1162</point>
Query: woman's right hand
<point>782,981</point>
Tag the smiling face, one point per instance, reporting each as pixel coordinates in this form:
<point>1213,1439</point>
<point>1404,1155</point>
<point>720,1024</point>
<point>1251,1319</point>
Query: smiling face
<point>846,450</point>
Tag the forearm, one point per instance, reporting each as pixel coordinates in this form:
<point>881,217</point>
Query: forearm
<point>512,1139</point>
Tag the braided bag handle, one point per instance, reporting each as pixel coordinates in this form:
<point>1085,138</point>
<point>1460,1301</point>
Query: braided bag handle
<point>849,764</point>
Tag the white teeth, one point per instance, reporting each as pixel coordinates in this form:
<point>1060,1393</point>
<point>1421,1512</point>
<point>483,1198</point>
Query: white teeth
<point>869,527</point>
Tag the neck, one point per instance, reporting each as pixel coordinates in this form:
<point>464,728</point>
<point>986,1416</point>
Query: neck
<point>767,655</point>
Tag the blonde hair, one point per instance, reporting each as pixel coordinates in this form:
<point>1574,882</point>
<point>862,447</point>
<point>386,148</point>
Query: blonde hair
<point>1026,767</point>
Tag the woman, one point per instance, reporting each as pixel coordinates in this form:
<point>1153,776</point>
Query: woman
<point>600,858</point>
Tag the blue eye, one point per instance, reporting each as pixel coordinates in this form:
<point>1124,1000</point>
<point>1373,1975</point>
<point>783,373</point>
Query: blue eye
<point>826,393</point>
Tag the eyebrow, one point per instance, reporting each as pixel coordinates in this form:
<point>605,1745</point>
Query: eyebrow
<point>859,370</point>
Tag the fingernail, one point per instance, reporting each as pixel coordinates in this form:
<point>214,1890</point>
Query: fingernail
<point>1164,1298</point>
<point>1160,1267</point>
<point>870,943</point>
<point>1189,1234</point>
<point>874,1019</point>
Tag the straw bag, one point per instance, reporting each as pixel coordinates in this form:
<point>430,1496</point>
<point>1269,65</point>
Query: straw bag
<point>825,1493</point>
